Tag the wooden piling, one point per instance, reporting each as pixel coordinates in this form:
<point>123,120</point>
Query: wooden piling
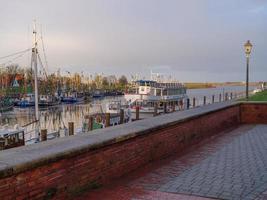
<point>226,96</point>
<point>194,102</point>
<point>173,107</point>
<point>204,100</point>
<point>71,128</point>
<point>165,107</point>
<point>220,97</point>
<point>213,98</point>
<point>90,123</point>
<point>155,109</point>
<point>137,109</point>
<point>187,103</point>
<point>121,116</point>
<point>43,134</point>
<point>2,143</point>
<point>107,122</point>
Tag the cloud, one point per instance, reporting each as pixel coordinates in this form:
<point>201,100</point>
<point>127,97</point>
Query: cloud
<point>134,36</point>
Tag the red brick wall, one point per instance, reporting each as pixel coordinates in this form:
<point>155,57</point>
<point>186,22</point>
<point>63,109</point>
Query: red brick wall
<point>254,113</point>
<point>68,177</point>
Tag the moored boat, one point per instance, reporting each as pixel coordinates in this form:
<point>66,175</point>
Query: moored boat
<point>48,100</point>
<point>71,98</point>
<point>100,120</point>
<point>27,101</point>
<point>145,94</point>
<point>10,138</point>
<point>98,94</point>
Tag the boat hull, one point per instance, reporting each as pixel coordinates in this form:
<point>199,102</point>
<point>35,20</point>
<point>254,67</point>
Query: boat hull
<point>25,104</point>
<point>71,100</point>
<point>48,104</point>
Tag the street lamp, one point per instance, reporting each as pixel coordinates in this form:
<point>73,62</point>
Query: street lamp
<point>248,47</point>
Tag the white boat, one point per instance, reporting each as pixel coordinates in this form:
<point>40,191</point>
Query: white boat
<point>48,100</point>
<point>10,138</point>
<point>257,90</point>
<point>114,107</point>
<point>146,93</point>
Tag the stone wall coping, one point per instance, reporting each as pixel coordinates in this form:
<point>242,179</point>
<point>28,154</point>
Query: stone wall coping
<point>253,102</point>
<point>16,160</point>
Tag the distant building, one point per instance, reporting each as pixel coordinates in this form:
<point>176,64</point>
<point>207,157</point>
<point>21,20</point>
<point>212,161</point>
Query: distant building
<point>10,80</point>
<point>112,79</point>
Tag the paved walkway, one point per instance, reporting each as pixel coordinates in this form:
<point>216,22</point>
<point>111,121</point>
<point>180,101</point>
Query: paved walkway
<point>230,166</point>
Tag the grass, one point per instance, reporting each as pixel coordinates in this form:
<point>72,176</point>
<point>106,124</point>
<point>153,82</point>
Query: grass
<point>259,96</point>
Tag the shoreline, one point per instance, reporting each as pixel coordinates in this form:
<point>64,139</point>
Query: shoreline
<point>199,85</point>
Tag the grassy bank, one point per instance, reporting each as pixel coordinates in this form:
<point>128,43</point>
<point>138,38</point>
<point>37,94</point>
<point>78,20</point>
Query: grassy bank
<point>199,85</point>
<point>260,96</point>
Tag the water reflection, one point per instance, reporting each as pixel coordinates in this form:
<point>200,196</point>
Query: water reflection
<point>55,118</point>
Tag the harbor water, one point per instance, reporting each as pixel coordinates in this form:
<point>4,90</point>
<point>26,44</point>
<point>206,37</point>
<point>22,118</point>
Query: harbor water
<point>57,117</point>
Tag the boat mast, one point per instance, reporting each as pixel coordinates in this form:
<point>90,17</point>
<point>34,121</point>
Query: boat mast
<point>34,62</point>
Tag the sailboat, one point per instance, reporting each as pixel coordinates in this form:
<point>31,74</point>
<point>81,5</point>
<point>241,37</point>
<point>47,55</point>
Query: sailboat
<point>23,137</point>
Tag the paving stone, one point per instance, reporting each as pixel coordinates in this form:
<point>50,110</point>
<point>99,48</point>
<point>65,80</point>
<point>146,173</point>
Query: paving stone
<point>231,167</point>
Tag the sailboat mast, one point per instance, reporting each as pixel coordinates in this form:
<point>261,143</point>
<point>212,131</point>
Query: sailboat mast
<point>34,60</point>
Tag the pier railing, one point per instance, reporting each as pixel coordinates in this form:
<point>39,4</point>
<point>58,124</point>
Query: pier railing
<point>30,135</point>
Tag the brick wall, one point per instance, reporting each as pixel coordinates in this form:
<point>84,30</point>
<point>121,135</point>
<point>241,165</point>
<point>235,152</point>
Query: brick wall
<point>68,177</point>
<point>254,113</point>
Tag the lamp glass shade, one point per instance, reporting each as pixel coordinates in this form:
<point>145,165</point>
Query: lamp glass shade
<point>248,47</point>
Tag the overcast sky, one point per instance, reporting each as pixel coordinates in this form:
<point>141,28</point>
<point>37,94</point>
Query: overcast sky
<point>192,40</point>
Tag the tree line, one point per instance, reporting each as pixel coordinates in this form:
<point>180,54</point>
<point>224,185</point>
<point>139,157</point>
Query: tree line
<point>16,79</point>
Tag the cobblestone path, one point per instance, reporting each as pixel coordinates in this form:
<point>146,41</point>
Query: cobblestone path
<point>230,166</point>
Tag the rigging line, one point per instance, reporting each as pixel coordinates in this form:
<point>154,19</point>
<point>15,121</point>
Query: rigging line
<point>14,54</point>
<point>39,58</point>
<point>43,47</point>
<point>10,61</point>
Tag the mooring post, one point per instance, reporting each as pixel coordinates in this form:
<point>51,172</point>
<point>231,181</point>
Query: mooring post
<point>155,109</point>
<point>226,96</point>
<point>213,98</point>
<point>121,116</point>
<point>173,106</point>
<point>43,134</point>
<point>71,128</point>
<point>187,103</point>
<point>204,100</point>
<point>90,123</point>
<point>137,109</point>
<point>194,102</point>
<point>107,122</point>
<point>165,107</point>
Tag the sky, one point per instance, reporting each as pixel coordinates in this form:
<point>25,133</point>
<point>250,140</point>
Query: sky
<point>191,40</point>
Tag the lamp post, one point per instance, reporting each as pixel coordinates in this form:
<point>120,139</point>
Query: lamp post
<point>248,47</point>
